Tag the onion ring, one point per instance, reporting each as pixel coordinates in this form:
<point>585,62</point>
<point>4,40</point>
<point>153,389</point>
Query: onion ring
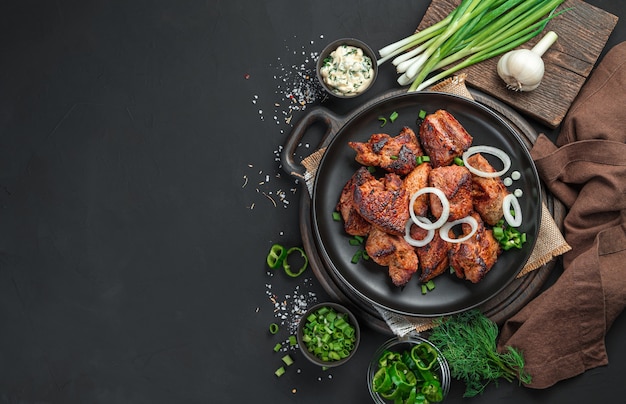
<point>511,201</point>
<point>445,229</point>
<point>417,243</point>
<point>506,160</point>
<point>427,224</point>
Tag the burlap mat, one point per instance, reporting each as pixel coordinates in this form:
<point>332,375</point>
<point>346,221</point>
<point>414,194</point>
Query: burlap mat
<point>549,245</point>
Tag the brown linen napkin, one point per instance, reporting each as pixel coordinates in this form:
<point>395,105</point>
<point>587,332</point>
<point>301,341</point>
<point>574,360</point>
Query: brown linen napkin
<point>561,332</point>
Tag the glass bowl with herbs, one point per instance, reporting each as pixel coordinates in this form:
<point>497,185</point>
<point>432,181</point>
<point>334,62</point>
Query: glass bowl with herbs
<point>347,68</point>
<point>408,369</point>
<point>328,334</point>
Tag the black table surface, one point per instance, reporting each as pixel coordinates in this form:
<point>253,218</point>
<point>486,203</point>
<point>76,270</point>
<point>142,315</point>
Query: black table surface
<point>140,190</point>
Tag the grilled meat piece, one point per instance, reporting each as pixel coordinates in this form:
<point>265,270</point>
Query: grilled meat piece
<point>487,193</point>
<point>413,182</point>
<point>394,154</point>
<point>456,183</point>
<point>433,257</point>
<point>353,222</point>
<point>473,258</point>
<point>394,252</point>
<point>382,202</point>
<point>443,138</point>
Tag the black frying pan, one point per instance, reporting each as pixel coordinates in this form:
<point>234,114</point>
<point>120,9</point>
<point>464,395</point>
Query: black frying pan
<point>370,281</point>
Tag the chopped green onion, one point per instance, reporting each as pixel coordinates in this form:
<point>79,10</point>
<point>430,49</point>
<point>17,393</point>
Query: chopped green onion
<point>336,216</point>
<point>287,360</point>
<point>354,241</point>
<point>422,159</point>
<point>371,169</point>
<point>459,161</point>
<point>383,120</point>
<point>508,237</point>
<point>280,371</point>
<point>422,114</point>
<point>277,347</point>
<point>358,255</point>
<point>393,116</point>
<point>273,328</point>
<point>292,340</point>
<point>427,287</point>
<point>393,157</point>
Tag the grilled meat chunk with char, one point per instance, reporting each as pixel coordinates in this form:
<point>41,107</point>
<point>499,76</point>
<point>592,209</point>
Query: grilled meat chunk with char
<point>382,202</point>
<point>413,182</point>
<point>443,138</point>
<point>433,257</point>
<point>473,258</point>
<point>394,252</point>
<point>354,224</point>
<point>456,183</point>
<point>487,193</point>
<point>393,154</point>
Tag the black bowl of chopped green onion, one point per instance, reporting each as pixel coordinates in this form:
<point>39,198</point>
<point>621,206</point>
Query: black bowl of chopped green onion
<point>408,369</point>
<point>328,334</point>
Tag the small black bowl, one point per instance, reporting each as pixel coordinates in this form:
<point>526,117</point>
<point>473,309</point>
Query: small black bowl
<point>367,51</point>
<point>347,316</point>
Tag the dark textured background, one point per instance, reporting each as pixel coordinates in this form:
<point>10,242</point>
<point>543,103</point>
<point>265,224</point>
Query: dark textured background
<point>135,211</point>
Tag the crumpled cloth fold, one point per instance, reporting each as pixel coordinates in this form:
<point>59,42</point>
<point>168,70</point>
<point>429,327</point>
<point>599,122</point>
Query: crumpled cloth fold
<point>561,332</point>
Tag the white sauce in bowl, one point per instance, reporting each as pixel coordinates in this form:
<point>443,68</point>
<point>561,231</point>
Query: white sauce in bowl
<point>347,70</point>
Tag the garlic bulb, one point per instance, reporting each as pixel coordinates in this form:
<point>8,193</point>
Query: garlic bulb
<point>523,69</point>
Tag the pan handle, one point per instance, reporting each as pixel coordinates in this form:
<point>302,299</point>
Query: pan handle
<point>317,114</point>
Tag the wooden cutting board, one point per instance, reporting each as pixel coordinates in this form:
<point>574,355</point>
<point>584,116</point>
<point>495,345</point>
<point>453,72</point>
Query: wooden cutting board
<point>583,31</point>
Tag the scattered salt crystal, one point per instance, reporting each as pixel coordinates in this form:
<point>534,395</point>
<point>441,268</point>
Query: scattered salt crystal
<point>296,83</point>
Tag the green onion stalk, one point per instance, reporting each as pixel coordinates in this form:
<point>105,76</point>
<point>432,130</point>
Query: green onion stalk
<point>474,31</point>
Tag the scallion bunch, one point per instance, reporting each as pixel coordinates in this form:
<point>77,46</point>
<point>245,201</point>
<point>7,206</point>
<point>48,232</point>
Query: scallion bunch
<point>474,31</point>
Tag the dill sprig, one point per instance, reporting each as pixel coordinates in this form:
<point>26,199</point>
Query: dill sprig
<point>468,341</point>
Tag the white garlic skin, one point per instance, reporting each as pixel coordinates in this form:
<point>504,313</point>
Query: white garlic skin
<point>521,70</point>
